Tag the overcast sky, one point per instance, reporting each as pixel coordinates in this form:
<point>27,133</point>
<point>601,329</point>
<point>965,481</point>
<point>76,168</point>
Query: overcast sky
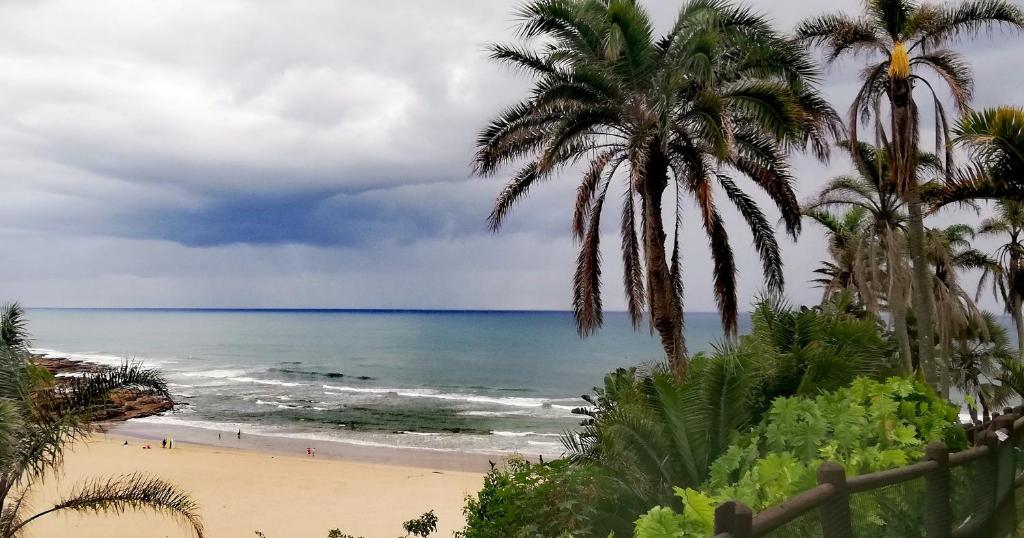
<point>218,153</point>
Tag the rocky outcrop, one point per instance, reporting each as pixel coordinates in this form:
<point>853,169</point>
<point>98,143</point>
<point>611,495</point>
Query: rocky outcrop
<point>124,405</point>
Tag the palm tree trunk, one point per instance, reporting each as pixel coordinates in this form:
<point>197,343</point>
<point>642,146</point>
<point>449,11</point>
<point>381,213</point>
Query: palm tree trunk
<point>666,312</point>
<point>904,153</point>
<point>897,308</point>
<point>1018,322</point>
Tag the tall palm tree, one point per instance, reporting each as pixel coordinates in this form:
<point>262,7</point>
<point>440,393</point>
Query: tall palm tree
<point>720,95</point>
<point>905,40</point>
<point>37,423</point>
<point>845,233</point>
<point>881,267</point>
<point>995,139</point>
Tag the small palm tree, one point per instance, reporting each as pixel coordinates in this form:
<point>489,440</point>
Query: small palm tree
<point>949,252</point>
<point>995,139</point>
<point>38,422</point>
<point>845,234</point>
<point>1007,269</point>
<point>720,96</point>
<point>976,363</point>
<point>904,40</point>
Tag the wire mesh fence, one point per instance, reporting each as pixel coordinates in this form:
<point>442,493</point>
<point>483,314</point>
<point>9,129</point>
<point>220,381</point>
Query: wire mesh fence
<point>894,510</point>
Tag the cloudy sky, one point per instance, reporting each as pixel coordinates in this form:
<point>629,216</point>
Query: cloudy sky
<point>219,153</point>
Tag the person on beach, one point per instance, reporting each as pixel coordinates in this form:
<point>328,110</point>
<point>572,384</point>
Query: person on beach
<point>314,452</point>
<point>218,436</point>
<point>163,444</point>
<point>309,452</point>
<point>239,433</point>
<point>125,443</point>
<point>170,443</point>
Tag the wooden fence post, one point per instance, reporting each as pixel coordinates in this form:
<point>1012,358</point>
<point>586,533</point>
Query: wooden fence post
<point>938,521</point>
<point>734,518</point>
<point>836,521</point>
<point>1006,469</point>
<point>987,480</point>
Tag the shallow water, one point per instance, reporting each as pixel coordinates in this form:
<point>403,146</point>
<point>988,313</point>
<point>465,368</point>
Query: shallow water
<point>469,381</point>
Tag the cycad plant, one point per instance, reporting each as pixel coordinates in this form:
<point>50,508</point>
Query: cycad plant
<point>719,97</point>
<point>651,433</point>
<point>904,40</point>
<point>38,421</point>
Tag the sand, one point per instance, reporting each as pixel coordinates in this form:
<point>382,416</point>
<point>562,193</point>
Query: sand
<point>242,491</point>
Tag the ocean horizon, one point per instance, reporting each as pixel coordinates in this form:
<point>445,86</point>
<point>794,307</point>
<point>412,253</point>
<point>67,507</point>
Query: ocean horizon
<point>463,380</point>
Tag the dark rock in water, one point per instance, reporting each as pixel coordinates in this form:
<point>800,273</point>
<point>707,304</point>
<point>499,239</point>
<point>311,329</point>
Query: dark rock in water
<point>124,405</point>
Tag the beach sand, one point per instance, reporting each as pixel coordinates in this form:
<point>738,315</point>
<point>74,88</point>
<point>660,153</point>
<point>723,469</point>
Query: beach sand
<point>242,491</point>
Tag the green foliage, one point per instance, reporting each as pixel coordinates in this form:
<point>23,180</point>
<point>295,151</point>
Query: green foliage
<point>867,427</point>
<point>523,499</point>
<point>697,518</point>
<point>804,351</point>
<point>39,377</point>
<point>421,526</point>
<point>648,434</point>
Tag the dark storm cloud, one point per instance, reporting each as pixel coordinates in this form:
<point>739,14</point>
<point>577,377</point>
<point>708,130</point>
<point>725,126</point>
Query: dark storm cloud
<point>188,153</point>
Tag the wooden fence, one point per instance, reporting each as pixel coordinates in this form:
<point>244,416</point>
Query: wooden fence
<point>996,470</point>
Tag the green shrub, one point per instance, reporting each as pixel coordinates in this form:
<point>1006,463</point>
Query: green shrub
<point>866,427</point>
<point>523,499</point>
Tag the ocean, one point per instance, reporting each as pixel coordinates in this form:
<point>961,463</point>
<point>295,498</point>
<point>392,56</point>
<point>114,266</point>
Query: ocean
<point>469,381</point>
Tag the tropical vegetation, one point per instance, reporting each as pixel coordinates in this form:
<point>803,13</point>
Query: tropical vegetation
<point>868,377</point>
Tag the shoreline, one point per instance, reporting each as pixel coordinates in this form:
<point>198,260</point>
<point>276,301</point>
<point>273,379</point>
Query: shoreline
<point>326,449</point>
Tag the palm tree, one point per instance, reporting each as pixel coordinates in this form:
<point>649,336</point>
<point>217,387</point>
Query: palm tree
<point>37,422</point>
<point>976,363</point>
<point>995,139</point>
<point>845,234</point>
<point>949,252</point>
<point>720,95</point>
<point>905,39</point>
<point>881,267</point>
<point>1007,270</point>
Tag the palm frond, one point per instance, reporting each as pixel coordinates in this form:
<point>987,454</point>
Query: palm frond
<point>127,492</point>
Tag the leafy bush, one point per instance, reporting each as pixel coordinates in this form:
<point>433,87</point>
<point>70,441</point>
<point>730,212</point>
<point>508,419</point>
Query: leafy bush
<point>867,427</point>
<point>807,350</point>
<point>421,526</point>
<point>523,499</point>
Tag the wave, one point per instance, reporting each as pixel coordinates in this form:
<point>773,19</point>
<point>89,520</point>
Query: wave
<point>104,359</point>
<point>216,374</point>
<point>237,376</point>
<point>512,401</point>
<point>524,434</point>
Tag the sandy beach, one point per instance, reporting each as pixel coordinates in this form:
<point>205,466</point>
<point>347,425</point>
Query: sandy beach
<point>242,491</point>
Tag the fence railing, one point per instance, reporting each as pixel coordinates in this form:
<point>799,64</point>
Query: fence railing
<point>948,495</point>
